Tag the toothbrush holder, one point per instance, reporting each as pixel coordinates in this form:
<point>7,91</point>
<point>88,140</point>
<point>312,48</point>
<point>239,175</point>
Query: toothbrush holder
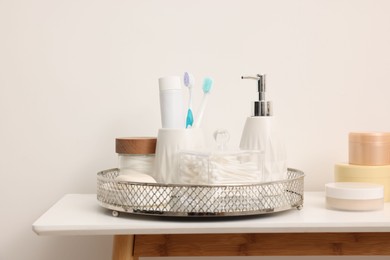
<point>169,143</point>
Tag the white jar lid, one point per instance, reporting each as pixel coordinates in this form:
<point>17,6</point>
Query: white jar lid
<point>354,190</point>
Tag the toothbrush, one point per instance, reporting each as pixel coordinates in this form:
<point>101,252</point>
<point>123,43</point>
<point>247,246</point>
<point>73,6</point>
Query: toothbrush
<point>207,86</point>
<point>189,82</point>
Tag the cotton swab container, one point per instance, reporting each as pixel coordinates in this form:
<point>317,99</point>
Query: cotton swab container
<point>220,166</point>
<point>214,168</point>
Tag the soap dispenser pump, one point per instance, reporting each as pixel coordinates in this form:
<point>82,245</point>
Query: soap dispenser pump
<point>261,133</point>
<point>260,107</point>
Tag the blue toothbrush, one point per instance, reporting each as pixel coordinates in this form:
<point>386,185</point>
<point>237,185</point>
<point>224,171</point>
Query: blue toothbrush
<point>207,86</point>
<point>189,83</point>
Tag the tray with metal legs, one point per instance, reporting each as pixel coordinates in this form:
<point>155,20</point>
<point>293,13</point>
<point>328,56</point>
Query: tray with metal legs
<point>181,200</point>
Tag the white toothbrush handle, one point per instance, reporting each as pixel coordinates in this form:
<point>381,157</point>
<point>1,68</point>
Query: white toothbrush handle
<point>198,118</point>
<point>190,99</point>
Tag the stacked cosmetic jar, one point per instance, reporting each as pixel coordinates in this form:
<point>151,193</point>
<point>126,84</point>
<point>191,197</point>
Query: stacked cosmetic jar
<point>367,174</point>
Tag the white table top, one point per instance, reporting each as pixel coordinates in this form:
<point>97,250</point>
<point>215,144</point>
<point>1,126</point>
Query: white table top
<point>80,214</point>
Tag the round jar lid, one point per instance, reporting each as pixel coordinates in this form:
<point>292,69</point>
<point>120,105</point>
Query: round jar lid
<point>369,137</point>
<point>135,145</point>
<point>354,190</point>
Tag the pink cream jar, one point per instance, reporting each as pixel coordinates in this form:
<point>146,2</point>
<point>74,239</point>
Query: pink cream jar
<point>369,149</point>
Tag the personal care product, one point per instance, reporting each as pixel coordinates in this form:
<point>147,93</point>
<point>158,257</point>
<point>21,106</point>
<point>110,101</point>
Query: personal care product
<point>369,148</point>
<point>171,102</point>
<point>344,172</point>
<point>221,166</point>
<point>261,133</point>
<point>354,196</point>
<point>169,143</point>
<point>136,156</point>
<point>206,87</point>
<point>369,160</point>
<point>189,82</point>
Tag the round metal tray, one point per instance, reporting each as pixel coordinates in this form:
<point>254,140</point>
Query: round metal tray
<point>199,200</point>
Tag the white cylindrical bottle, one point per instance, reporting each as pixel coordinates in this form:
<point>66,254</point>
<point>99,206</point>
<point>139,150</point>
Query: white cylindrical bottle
<point>171,102</point>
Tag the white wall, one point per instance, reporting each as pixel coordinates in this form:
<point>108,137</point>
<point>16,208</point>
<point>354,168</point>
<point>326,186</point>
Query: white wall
<point>76,74</point>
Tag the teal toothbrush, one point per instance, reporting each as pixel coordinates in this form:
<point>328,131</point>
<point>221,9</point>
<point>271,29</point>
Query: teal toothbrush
<point>189,83</point>
<point>207,86</point>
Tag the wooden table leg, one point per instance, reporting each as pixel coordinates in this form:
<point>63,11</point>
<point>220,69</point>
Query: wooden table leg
<point>123,248</point>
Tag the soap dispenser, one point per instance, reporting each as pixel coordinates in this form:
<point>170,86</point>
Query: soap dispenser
<point>261,133</point>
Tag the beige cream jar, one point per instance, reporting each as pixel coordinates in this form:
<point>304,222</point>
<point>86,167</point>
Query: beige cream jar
<point>354,196</point>
<point>369,149</point>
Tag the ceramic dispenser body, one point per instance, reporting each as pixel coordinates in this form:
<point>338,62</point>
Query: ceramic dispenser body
<point>262,133</point>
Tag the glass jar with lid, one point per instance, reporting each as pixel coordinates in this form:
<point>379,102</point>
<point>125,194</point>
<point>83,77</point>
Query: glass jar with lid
<point>136,155</point>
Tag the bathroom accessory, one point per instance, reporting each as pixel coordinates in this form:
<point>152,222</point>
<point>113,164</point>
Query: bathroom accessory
<point>261,133</point>
<point>369,160</point>
<point>189,82</point>
<point>354,196</point>
<point>136,156</point>
<point>261,107</point>
<point>171,102</point>
<point>220,166</point>
<point>370,148</point>
<point>207,86</point>
<point>199,200</point>
<point>216,168</point>
<point>344,172</point>
<point>169,143</point>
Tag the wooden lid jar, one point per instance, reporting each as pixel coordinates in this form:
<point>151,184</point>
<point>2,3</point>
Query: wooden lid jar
<point>370,149</point>
<point>136,154</point>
